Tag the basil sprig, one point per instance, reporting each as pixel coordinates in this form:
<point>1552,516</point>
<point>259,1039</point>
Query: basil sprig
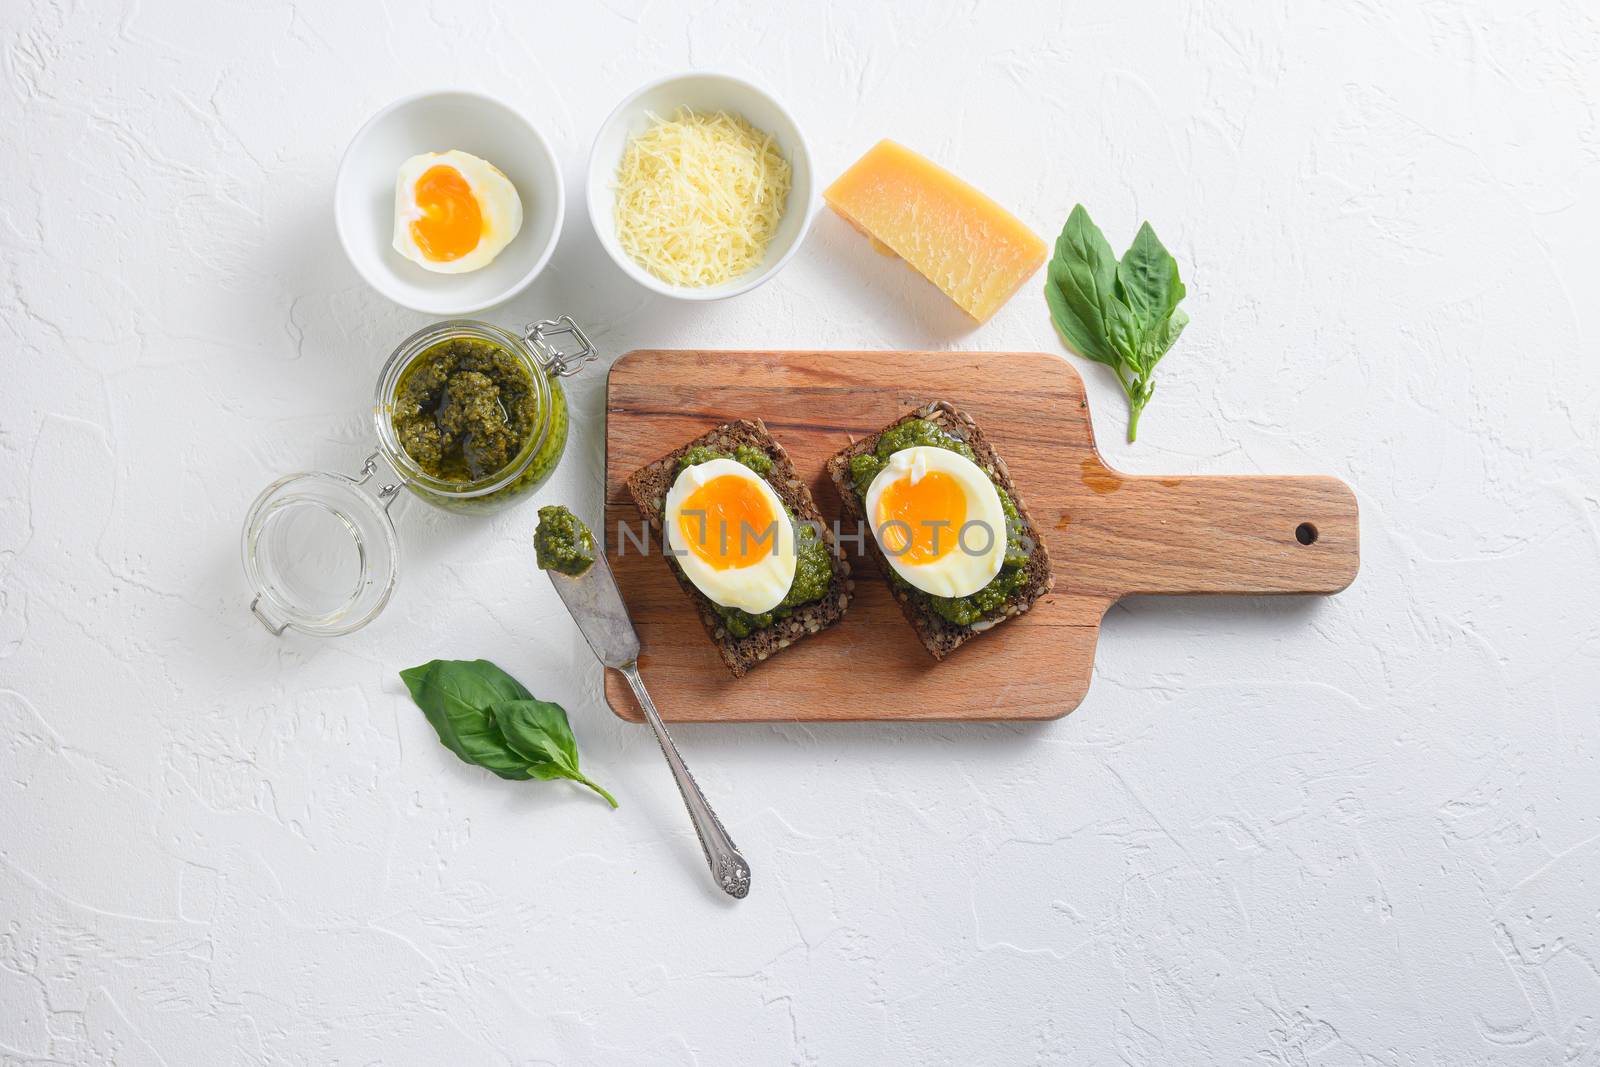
<point>489,719</point>
<point>1120,313</point>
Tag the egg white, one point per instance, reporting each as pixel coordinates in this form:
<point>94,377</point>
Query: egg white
<point>958,572</point>
<point>497,200</point>
<point>756,588</point>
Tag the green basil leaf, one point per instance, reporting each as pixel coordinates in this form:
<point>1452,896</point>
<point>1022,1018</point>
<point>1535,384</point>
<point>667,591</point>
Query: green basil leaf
<point>1126,333</point>
<point>539,732</point>
<point>456,696</point>
<point>1078,335</point>
<point>1123,314</point>
<point>1147,279</point>
<point>1166,337</point>
<point>1080,279</point>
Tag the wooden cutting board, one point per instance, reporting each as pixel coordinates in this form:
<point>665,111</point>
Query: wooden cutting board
<point>1109,534</point>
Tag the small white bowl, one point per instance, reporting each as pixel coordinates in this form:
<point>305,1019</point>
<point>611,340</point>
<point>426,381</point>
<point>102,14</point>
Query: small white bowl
<point>701,92</point>
<point>363,198</point>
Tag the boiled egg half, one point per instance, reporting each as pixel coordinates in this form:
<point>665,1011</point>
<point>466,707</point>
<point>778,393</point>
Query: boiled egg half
<point>453,212</point>
<point>938,519</point>
<point>730,534</point>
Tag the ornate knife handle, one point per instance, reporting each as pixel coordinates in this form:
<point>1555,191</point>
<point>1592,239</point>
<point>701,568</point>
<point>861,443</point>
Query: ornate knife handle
<point>728,868</point>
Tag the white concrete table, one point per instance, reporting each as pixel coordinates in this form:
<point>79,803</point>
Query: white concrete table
<point>1358,830</point>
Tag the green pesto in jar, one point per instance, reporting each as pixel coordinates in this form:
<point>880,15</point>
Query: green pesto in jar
<point>813,567</point>
<point>1013,576</point>
<point>466,409</point>
<point>562,543</point>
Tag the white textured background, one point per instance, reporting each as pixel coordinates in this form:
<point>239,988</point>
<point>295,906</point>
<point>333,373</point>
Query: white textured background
<point>1363,830</point>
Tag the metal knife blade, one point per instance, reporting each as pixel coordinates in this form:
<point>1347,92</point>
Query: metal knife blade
<point>597,608</point>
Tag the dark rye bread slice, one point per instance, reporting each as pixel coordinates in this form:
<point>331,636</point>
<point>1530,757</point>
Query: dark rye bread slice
<point>649,486</point>
<point>940,636</point>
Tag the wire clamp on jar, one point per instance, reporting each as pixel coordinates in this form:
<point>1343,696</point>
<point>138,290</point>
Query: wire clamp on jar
<point>386,493</point>
<point>540,337</point>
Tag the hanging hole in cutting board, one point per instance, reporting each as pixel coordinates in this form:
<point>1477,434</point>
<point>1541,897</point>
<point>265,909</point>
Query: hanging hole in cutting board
<point>1306,533</point>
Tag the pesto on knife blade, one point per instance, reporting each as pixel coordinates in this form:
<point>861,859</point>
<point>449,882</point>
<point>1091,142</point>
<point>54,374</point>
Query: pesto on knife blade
<point>562,543</point>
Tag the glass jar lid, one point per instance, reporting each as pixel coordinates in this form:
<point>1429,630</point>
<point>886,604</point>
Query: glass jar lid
<point>320,551</point>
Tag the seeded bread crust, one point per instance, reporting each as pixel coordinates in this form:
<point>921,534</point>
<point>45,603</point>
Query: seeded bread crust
<point>648,486</point>
<point>940,636</point>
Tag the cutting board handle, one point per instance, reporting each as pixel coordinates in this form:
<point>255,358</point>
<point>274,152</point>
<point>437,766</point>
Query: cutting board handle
<point>1235,534</point>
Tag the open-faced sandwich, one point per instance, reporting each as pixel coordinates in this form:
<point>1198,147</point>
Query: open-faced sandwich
<point>740,530</point>
<point>946,526</point>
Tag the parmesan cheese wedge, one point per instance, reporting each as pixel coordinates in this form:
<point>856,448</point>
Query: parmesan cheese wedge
<point>973,249</point>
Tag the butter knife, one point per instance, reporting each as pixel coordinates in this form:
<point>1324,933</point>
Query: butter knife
<point>597,608</point>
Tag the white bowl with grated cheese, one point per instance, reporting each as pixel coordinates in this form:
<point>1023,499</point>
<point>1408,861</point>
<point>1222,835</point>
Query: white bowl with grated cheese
<point>704,93</point>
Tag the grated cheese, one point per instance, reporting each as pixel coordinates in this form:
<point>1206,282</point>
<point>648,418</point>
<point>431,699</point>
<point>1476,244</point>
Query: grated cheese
<point>699,196</point>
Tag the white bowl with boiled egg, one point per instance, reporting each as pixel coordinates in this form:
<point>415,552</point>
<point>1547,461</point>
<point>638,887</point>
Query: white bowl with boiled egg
<point>449,202</point>
<point>705,94</point>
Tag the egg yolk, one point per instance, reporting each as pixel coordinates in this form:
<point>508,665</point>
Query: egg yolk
<point>729,523</point>
<point>920,520</point>
<point>452,222</point>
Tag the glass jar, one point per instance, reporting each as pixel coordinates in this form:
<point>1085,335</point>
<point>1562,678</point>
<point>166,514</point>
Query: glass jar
<point>532,464</point>
<point>320,549</point>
